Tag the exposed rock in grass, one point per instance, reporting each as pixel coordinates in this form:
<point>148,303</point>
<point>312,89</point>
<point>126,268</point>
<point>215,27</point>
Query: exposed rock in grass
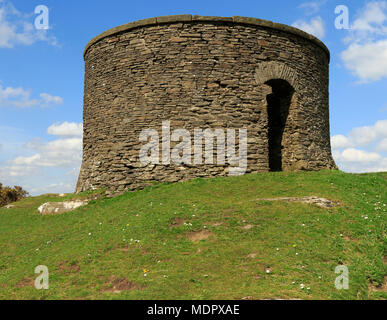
<point>321,202</point>
<point>217,224</point>
<point>61,207</point>
<point>199,235</point>
<point>247,227</point>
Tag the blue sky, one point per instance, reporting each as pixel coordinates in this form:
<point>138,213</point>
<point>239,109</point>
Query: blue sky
<point>41,78</point>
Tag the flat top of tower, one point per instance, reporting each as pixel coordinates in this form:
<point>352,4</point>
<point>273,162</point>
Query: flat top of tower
<point>196,18</point>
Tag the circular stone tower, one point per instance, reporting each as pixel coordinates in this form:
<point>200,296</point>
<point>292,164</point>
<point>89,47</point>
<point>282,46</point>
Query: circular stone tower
<point>153,86</point>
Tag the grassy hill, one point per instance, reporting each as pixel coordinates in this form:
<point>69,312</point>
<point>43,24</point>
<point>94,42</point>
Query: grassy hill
<point>204,239</point>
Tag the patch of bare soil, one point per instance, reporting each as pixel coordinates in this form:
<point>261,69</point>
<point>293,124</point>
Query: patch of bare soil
<point>380,288</point>
<point>199,235</point>
<point>176,222</point>
<point>351,239</point>
<point>66,267</point>
<point>27,282</point>
<point>117,285</point>
<point>229,212</point>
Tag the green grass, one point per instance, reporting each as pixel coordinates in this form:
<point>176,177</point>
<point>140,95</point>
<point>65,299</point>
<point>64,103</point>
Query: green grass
<point>91,253</point>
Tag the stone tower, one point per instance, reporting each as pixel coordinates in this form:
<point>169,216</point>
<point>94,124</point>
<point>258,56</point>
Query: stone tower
<point>191,72</point>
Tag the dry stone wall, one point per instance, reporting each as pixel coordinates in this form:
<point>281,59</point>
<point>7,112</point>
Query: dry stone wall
<point>203,72</point>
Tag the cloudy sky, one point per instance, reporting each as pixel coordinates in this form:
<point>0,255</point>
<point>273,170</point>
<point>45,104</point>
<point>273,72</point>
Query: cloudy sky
<point>41,77</point>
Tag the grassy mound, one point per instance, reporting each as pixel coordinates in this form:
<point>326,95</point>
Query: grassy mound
<point>204,239</point>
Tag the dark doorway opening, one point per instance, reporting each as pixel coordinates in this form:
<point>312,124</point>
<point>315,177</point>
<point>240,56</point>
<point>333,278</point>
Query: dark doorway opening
<point>278,103</point>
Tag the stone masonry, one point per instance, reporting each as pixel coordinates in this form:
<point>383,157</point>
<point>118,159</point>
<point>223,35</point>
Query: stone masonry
<point>203,72</point>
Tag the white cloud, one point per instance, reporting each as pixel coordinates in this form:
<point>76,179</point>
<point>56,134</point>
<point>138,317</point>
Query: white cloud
<point>66,129</point>
<point>365,136</point>
<point>57,160</point>
<point>17,97</point>
<point>340,141</point>
<point>315,26</point>
<point>17,28</point>
<point>60,187</point>
<point>26,160</point>
<point>21,98</point>
<point>48,99</point>
<point>56,153</point>
<point>352,166</point>
<point>356,155</point>
<point>381,145</point>
<point>312,7</point>
<point>366,52</point>
<point>362,150</point>
<point>367,61</point>
<point>61,153</point>
<point>371,20</point>
<point>13,173</point>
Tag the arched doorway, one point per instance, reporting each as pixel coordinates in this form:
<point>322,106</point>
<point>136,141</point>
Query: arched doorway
<point>278,103</point>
